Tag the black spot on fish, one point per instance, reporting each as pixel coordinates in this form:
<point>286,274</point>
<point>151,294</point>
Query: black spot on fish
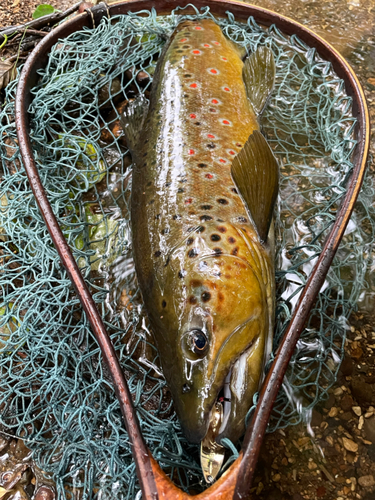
<point>182,273</point>
<point>189,241</point>
<point>211,145</point>
<point>145,154</point>
<point>206,296</point>
<point>193,252</point>
<point>217,274</point>
<point>206,207</point>
<point>222,201</point>
<point>180,190</point>
<point>200,229</point>
<point>192,300</point>
<point>197,123</point>
<point>205,217</point>
<point>234,190</point>
<point>167,261</point>
<point>220,220</point>
<point>202,165</point>
<point>152,201</point>
<point>215,237</point>
<point>231,239</point>
<point>158,253</point>
<point>239,144</point>
<point>165,231</point>
<point>183,180</point>
<point>186,96</point>
<point>167,184</point>
<point>213,110</point>
<point>234,251</point>
<point>218,251</point>
<point>149,183</point>
<point>179,51</point>
<point>157,216</point>
<point>185,388</point>
<point>222,229</point>
<point>163,304</point>
<point>176,217</point>
<point>188,76</point>
<point>242,219</point>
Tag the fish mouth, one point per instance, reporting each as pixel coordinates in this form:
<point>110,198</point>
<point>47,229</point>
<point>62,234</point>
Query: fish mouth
<point>220,425</point>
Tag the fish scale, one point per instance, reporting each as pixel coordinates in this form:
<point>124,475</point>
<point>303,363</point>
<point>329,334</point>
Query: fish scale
<point>206,278</point>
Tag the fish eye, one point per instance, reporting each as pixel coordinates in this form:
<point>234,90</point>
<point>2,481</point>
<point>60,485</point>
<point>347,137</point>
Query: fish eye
<point>199,342</point>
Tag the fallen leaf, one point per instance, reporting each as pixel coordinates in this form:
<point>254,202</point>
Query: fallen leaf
<point>43,9</point>
<point>7,73</point>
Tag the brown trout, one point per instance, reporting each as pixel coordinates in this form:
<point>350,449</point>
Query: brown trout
<point>203,192</point>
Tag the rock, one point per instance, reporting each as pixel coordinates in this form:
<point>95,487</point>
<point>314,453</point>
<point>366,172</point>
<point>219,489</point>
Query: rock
<point>347,415</point>
<point>350,445</point>
<point>330,402</point>
<point>321,491</point>
<point>357,410</point>
<point>366,481</point>
<point>346,402</point>
<point>333,412</point>
<point>362,391</point>
<point>369,428</point>
<point>316,418</point>
<point>45,493</point>
<point>347,366</point>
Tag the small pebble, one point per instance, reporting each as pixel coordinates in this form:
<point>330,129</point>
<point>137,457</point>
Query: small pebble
<point>333,412</point>
<point>357,410</point>
<point>366,481</point>
<point>350,445</point>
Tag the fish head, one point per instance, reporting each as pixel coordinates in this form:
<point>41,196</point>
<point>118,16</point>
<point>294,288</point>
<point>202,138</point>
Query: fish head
<point>217,324</point>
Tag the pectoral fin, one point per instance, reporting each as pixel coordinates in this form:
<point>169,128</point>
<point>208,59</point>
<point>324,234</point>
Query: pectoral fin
<point>256,174</point>
<point>132,121</point>
<point>259,75</point>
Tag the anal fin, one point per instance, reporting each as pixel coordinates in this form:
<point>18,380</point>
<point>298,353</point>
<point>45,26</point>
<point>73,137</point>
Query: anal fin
<point>259,75</point>
<point>256,174</point>
<point>132,121</point>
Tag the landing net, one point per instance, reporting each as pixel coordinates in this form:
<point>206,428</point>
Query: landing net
<point>56,393</point>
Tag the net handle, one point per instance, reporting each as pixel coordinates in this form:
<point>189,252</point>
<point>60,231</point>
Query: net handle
<point>236,483</point>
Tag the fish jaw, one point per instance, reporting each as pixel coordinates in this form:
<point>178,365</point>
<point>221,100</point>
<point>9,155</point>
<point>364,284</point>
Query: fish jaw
<point>232,312</point>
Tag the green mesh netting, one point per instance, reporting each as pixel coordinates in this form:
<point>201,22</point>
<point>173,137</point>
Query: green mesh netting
<point>55,391</point>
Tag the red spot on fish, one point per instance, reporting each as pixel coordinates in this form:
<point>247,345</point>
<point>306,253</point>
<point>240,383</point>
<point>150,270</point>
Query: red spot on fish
<point>188,201</point>
<point>216,43</point>
<point>198,28</point>
<point>238,144</point>
<point>196,52</point>
<point>226,122</point>
<point>209,176</point>
<point>226,89</point>
<point>183,40</point>
<point>231,152</point>
<point>193,86</point>
<point>191,152</point>
<point>213,110</point>
<point>213,71</point>
<point>224,59</point>
<point>206,45</point>
<point>222,160</point>
<point>210,136</point>
<point>193,116</point>
<point>215,101</point>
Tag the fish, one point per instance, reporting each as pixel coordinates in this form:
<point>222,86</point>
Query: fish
<point>204,188</point>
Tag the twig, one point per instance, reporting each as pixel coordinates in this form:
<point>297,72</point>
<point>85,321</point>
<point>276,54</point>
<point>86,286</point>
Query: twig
<point>39,23</point>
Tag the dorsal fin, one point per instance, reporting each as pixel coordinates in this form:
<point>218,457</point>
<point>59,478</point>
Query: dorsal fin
<point>256,174</point>
<point>259,75</point>
<point>132,121</point>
